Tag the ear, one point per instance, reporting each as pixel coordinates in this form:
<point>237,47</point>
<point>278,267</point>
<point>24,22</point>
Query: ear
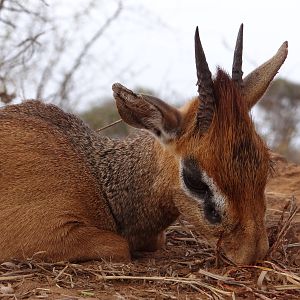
<point>147,112</point>
<point>257,82</point>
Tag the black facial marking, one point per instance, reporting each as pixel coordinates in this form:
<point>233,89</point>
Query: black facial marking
<point>193,180</point>
<point>192,177</point>
<point>210,212</point>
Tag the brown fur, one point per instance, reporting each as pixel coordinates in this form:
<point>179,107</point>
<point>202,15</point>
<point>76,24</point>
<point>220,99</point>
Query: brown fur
<point>237,159</point>
<point>77,196</point>
<point>68,192</point>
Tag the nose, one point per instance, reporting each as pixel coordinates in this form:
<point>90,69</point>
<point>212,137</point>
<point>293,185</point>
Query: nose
<point>262,247</point>
<point>246,246</point>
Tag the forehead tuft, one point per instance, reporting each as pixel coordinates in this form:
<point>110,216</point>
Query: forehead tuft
<point>230,152</point>
<point>230,107</point>
<point>235,156</point>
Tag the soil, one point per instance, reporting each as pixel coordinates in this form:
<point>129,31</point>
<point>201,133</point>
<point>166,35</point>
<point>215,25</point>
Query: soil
<point>186,269</point>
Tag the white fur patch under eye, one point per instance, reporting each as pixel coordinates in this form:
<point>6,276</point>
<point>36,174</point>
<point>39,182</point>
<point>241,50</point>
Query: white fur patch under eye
<point>217,197</point>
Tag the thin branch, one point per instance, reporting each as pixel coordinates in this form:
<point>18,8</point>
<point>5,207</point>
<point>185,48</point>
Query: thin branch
<point>27,43</point>
<point>109,125</point>
<point>22,9</point>
<point>1,4</point>
<point>48,70</point>
<point>8,23</point>
<point>69,75</point>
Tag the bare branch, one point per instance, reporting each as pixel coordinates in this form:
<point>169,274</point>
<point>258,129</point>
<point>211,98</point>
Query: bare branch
<point>48,70</point>
<point>7,22</point>
<point>20,8</point>
<point>62,93</point>
<point>27,43</point>
<point>1,4</point>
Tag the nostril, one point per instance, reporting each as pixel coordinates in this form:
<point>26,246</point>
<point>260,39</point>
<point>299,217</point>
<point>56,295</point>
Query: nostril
<point>254,248</point>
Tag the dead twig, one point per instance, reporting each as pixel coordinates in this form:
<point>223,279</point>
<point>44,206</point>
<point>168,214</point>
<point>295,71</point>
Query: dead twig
<point>110,125</point>
<point>284,224</point>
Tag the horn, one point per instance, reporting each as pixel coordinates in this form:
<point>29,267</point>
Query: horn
<point>205,87</point>
<point>237,73</point>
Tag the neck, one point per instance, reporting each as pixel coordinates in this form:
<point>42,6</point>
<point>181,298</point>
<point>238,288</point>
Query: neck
<point>137,178</point>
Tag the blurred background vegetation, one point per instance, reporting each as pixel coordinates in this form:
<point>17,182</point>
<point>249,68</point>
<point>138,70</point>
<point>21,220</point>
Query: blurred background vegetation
<point>280,124</point>
<point>46,54</point>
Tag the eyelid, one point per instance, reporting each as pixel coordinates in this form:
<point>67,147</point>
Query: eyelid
<point>193,183</point>
<point>192,177</point>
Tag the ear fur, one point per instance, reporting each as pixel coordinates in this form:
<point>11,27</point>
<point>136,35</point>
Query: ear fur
<point>147,112</point>
<point>257,82</point>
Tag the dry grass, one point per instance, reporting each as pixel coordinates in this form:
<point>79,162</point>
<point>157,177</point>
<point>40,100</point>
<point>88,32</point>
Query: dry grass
<point>186,269</point>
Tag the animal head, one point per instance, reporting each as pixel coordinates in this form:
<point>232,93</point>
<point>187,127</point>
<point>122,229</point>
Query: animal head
<point>223,163</point>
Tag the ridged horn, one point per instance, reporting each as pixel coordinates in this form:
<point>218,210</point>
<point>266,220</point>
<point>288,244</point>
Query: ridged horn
<point>205,87</point>
<point>237,73</point>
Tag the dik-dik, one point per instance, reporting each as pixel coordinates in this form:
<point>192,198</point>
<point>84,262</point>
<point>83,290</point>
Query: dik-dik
<point>67,193</point>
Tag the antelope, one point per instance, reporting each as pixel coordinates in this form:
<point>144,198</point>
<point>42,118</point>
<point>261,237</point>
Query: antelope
<point>68,193</point>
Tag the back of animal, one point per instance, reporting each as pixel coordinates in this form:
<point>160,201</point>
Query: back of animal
<point>42,177</point>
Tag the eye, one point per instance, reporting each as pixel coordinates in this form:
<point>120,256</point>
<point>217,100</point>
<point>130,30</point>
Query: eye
<point>195,184</point>
<point>193,180</point>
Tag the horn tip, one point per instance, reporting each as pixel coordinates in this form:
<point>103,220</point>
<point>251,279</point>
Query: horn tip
<point>241,29</point>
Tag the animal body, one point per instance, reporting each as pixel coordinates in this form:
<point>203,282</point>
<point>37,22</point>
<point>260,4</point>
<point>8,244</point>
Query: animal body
<point>69,194</point>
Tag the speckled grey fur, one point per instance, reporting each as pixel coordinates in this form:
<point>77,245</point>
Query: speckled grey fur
<point>125,171</point>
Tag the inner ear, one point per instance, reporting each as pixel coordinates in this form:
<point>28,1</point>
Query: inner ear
<point>147,112</point>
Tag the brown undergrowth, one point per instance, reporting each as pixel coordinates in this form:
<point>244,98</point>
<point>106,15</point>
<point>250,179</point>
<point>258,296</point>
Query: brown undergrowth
<point>187,269</point>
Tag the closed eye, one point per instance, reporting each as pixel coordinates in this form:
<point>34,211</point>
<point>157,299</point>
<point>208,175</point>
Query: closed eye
<point>193,180</point>
<point>195,184</point>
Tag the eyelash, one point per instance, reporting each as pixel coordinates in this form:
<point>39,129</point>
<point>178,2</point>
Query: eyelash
<point>195,185</point>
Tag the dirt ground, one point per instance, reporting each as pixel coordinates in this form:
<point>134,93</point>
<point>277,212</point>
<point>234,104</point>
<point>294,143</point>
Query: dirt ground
<point>187,269</point>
